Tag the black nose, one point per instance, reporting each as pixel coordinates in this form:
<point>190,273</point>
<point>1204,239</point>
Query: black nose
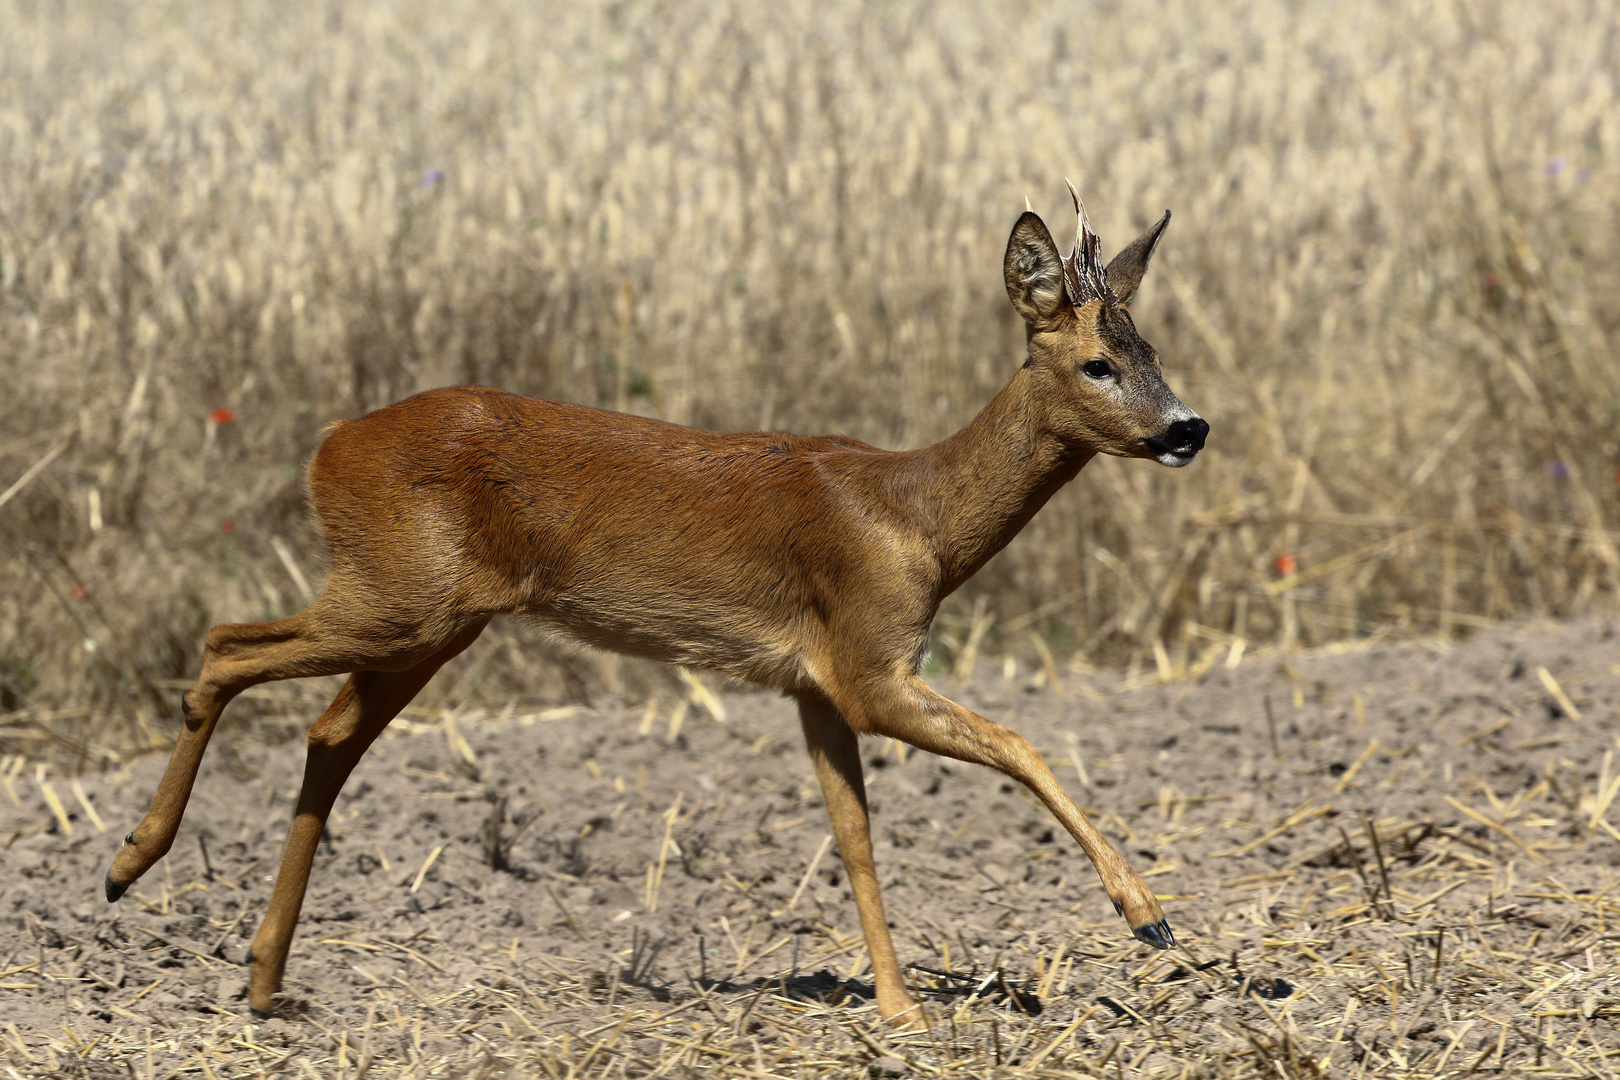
<point>1188,433</point>
<point>1183,438</point>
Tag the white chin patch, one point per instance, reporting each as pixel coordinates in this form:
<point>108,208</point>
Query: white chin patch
<point>1175,461</point>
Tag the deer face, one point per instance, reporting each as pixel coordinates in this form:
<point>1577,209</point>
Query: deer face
<point>1100,382</point>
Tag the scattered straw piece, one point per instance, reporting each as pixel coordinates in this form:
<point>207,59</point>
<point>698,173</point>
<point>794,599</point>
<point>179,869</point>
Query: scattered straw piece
<point>33,471</point>
<point>55,804</point>
<point>1503,829</point>
<point>89,808</point>
<point>6,776</point>
<point>676,718</point>
<point>1048,662</point>
<point>1558,694</point>
<point>1305,813</point>
<point>655,875</point>
<point>702,695</point>
<point>567,913</point>
<point>826,842</point>
<point>294,571</point>
<point>1607,789</point>
<point>1077,760</point>
<point>1042,1054</point>
<point>1350,773</point>
<point>426,864</point>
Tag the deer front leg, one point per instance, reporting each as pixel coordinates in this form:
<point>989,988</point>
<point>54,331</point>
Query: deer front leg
<point>836,753</point>
<point>910,710</point>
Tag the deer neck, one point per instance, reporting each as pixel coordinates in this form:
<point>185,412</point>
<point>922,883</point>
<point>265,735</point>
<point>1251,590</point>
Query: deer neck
<point>990,478</point>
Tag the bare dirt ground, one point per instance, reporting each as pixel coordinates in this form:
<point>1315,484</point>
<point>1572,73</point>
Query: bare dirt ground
<point>1391,861</point>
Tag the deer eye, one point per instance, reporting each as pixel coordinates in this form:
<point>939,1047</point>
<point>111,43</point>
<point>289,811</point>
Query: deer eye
<point>1097,369</point>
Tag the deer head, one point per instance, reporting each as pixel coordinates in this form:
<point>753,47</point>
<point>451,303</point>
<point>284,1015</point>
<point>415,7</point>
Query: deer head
<point>1099,381</point>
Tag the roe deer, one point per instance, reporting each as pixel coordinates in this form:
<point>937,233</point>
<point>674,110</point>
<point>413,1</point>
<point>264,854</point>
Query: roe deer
<point>811,565</point>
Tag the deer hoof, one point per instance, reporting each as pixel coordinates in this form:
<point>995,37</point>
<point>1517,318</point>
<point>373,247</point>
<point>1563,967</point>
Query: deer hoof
<point>1156,934</point>
<point>114,890</point>
<point>261,1014</point>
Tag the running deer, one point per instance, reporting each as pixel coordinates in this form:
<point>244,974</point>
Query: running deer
<point>810,565</point>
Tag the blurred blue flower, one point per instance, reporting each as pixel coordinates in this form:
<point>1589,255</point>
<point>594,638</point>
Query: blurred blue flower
<point>1558,469</point>
<point>432,177</point>
<point>1555,166</point>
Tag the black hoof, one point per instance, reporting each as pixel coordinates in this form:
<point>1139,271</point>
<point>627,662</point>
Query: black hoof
<point>114,890</point>
<point>129,837</point>
<point>260,1014</point>
<point>1156,934</point>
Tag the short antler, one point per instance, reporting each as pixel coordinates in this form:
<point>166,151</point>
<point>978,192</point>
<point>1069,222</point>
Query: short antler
<point>1083,271</point>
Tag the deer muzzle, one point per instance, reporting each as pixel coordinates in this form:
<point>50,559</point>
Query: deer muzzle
<point>1179,443</point>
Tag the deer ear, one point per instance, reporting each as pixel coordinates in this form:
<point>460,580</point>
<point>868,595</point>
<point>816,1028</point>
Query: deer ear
<point>1125,272</point>
<point>1034,271</point>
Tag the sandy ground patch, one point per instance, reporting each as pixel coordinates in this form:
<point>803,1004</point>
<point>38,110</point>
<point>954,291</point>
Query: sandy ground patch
<point>1392,861</point>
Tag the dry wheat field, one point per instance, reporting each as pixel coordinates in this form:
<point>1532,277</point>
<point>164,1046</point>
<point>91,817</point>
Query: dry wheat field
<point>1391,284</point>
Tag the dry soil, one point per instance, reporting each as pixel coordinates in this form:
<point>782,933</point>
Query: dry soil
<point>617,889</point>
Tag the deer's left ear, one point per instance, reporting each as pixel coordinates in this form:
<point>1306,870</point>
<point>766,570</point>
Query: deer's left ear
<point>1125,272</point>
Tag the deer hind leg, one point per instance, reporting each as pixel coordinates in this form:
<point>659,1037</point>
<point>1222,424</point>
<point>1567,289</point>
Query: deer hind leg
<point>362,709</point>
<point>835,751</point>
<point>333,637</point>
<point>913,712</point>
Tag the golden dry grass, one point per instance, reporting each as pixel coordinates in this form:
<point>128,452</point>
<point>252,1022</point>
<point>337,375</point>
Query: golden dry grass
<point>1392,284</point>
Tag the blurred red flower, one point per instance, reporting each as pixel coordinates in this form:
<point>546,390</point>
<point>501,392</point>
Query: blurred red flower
<point>1287,564</point>
<point>222,416</point>
<point>79,592</point>
<point>227,526</point>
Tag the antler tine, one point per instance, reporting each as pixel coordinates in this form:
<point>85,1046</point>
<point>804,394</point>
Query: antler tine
<point>1083,227</point>
<point>1086,270</point>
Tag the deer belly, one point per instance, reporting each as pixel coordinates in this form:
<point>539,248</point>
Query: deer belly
<point>691,627</point>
